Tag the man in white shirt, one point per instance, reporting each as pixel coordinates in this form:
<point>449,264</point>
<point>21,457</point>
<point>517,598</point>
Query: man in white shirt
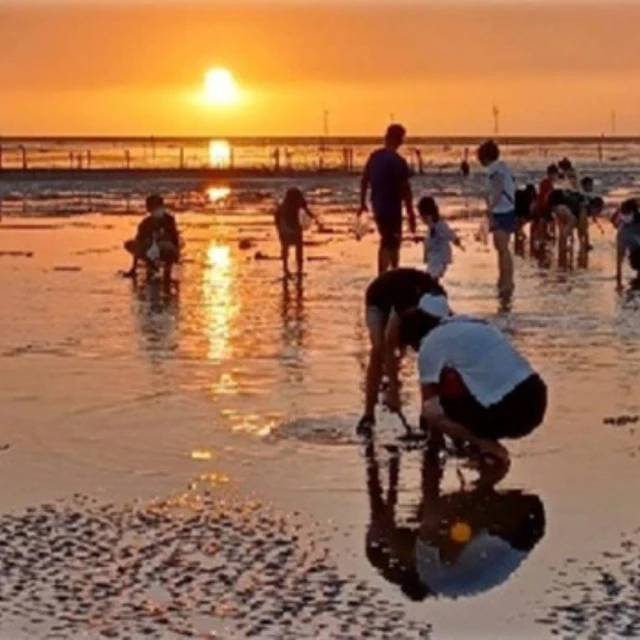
<point>476,387</point>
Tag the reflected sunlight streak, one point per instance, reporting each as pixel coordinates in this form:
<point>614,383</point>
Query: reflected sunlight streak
<point>219,305</point>
<point>216,194</point>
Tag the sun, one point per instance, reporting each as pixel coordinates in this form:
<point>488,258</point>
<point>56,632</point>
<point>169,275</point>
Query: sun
<point>220,88</point>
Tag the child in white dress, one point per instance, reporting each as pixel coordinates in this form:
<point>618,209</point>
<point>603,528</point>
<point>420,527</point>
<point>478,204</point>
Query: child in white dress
<point>437,243</point>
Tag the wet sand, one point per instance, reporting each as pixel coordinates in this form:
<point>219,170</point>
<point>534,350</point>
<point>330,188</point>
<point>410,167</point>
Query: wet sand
<point>187,465</point>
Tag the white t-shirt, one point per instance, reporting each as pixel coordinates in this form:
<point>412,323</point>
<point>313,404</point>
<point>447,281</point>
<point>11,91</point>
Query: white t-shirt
<point>437,245</point>
<point>507,202</point>
<point>486,361</point>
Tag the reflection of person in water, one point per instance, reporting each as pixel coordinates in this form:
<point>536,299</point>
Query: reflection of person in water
<point>292,313</point>
<point>466,542</point>
<point>155,311</point>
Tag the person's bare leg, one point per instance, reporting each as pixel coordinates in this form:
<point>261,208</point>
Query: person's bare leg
<point>300,257</point>
<point>505,262</point>
<point>384,260</point>
<point>285,260</point>
<point>394,258</point>
<point>374,377</point>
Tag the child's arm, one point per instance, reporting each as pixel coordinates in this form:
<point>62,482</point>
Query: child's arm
<point>456,240</point>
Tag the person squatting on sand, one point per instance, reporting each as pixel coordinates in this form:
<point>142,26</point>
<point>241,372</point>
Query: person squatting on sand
<point>501,212</point>
<point>476,387</point>
<point>290,227</point>
<point>388,174</point>
<point>157,241</point>
<point>389,295</point>
<point>628,240</point>
<point>438,240</point>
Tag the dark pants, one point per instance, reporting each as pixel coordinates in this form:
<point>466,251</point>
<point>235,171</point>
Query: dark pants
<point>515,416</point>
<point>390,230</point>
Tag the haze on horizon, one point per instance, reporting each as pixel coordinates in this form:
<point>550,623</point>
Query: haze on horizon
<point>111,68</point>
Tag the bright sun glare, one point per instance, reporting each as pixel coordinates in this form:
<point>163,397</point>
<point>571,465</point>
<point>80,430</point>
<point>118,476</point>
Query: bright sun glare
<point>219,154</point>
<point>220,88</point>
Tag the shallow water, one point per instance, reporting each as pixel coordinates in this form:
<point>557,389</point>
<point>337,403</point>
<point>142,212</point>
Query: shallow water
<point>120,392</point>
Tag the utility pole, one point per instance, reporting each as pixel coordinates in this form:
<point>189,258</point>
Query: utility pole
<point>614,123</point>
<point>496,120</point>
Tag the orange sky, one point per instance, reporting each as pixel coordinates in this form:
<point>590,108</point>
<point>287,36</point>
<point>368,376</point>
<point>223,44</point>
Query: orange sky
<point>75,68</point>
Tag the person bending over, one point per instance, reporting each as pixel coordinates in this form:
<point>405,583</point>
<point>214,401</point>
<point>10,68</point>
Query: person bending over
<point>628,240</point>
<point>289,227</point>
<point>477,389</point>
<point>157,241</point>
<point>573,211</point>
<point>386,298</point>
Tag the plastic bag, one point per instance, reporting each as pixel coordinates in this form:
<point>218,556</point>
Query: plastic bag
<point>153,253</point>
<point>361,226</point>
<point>305,220</point>
<point>482,234</point>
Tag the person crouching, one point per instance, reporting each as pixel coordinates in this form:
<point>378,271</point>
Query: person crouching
<point>477,389</point>
<point>157,241</point>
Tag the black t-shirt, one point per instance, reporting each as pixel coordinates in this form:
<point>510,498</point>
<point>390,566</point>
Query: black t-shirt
<point>400,289</point>
<point>573,200</point>
<point>388,174</point>
<point>163,228</point>
<point>524,200</point>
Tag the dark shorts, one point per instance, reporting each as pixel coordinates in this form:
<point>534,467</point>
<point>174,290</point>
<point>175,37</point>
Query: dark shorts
<point>503,222</point>
<point>515,416</point>
<point>390,230</point>
<point>290,238</point>
<point>634,259</point>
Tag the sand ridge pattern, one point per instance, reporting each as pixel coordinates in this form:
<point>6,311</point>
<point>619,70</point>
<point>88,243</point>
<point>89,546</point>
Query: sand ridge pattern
<point>601,600</point>
<point>189,566</point>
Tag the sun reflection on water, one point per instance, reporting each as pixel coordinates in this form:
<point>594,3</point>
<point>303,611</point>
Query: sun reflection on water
<point>216,194</point>
<point>219,303</point>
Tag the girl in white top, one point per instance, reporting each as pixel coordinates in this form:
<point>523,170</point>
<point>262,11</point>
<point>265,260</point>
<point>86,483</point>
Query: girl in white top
<point>501,210</point>
<point>476,387</point>
<point>437,243</point>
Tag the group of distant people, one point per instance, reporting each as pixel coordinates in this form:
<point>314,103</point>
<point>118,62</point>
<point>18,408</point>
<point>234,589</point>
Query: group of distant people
<point>476,388</point>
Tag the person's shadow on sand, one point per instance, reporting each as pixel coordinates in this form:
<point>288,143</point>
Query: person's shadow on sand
<point>458,544</point>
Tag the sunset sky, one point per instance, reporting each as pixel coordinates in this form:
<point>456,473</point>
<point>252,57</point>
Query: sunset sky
<point>127,68</point>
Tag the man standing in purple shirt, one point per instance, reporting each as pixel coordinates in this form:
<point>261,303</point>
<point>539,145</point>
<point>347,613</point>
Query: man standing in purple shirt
<point>387,173</point>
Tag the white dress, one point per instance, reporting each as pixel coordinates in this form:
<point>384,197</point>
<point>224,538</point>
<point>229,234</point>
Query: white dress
<point>437,249</point>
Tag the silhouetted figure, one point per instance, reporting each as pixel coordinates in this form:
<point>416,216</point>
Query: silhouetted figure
<point>387,174</point>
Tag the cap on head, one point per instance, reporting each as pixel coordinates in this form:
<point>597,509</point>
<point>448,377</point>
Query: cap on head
<point>395,134</point>
<point>434,305</point>
<point>154,201</point>
<point>553,171</point>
